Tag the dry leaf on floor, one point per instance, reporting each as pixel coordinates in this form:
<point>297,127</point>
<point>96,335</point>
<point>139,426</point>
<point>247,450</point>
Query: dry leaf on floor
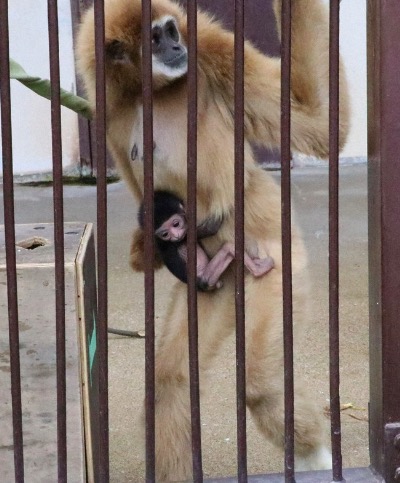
<point>344,408</point>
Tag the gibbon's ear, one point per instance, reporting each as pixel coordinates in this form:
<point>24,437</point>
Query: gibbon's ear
<point>117,51</point>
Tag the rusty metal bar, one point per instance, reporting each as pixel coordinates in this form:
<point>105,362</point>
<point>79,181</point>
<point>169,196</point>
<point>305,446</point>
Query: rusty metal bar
<point>9,221</point>
<point>192,241</point>
<point>239,244</point>
<point>384,235</point>
<point>287,239</point>
<point>58,239</point>
<point>102,301</point>
<point>352,475</point>
<point>336,434</point>
<point>147,93</point>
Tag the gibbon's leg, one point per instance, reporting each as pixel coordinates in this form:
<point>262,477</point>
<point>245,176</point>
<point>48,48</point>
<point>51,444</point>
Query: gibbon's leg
<point>265,383</point>
<point>172,413</point>
<point>209,276</point>
<point>258,266</point>
<point>210,273</point>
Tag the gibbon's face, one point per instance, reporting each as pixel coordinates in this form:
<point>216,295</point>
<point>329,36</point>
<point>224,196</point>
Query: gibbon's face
<point>174,229</point>
<point>123,31</point>
<point>169,54</point>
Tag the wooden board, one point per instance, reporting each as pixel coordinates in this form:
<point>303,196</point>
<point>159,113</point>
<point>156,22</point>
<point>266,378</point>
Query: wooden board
<point>36,305</point>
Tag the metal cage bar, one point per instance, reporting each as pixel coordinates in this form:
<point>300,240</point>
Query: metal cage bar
<point>287,239</point>
<point>239,244</point>
<point>149,238</point>
<point>102,298</point>
<point>58,207</point>
<point>336,434</point>
<point>9,222</point>
<point>192,242</point>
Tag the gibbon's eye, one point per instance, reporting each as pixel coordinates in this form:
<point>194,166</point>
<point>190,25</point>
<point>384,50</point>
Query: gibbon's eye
<point>164,235</point>
<point>156,35</point>
<point>171,31</point>
<point>176,224</point>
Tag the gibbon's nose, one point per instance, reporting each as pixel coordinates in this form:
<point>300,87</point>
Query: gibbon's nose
<point>176,234</point>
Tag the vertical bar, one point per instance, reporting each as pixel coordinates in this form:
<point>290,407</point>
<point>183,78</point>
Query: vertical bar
<point>149,237</point>
<point>384,233</point>
<point>192,241</point>
<point>59,239</point>
<point>100,150</point>
<point>336,435</point>
<point>287,240</point>
<point>239,244</point>
<point>9,221</point>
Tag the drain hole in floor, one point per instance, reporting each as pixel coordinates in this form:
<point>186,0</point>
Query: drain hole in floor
<point>32,243</point>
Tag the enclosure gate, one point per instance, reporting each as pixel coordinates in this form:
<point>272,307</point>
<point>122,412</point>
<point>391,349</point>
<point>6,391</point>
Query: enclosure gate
<point>384,248</point>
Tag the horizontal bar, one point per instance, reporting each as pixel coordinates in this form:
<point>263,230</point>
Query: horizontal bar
<point>351,475</point>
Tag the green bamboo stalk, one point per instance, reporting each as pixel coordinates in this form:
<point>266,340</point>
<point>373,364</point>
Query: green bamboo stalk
<point>43,88</point>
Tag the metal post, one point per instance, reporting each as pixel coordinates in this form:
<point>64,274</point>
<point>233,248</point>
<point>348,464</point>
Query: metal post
<point>193,330</point>
<point>384,234</point>
<point>239,243</point>
<point>334,366</point>
<point>9,222</point>
<point>147,92</point>
<point>102,271</point>
<point>58,205</point>
<point>286,239</point>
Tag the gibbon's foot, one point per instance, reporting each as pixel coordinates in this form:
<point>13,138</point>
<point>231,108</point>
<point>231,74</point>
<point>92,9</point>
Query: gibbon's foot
<point>262,266</point>
<point>320,459</point>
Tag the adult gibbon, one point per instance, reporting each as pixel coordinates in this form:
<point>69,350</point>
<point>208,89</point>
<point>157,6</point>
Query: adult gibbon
<point>309,100</point>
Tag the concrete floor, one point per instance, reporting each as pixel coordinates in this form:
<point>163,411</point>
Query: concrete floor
<point>126,364</point>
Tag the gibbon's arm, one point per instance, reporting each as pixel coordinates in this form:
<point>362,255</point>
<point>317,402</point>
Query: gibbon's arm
<point>209,227</point>
<point>309,84</point>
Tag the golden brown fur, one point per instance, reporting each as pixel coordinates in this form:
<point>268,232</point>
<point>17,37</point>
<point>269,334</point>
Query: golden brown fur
<point>136,258</point>
<point>216,197</point>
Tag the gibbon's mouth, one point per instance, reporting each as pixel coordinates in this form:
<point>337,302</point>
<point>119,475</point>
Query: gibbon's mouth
<point>176,61</point>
